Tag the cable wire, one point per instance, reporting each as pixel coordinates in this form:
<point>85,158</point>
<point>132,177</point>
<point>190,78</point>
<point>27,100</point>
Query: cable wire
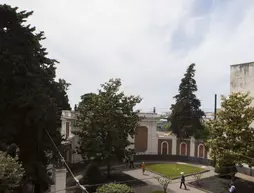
<point>66,165</point>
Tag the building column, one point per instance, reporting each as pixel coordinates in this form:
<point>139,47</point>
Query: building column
<point>60,181</point>
<point>174,142</point>
<point>192,147</point>
<point>208,154</point>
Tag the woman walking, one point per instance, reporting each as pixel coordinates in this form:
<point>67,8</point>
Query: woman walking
<point>143,167</point>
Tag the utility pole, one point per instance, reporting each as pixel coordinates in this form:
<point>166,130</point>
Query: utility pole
<point>215,106</point>
<point>215,116</point>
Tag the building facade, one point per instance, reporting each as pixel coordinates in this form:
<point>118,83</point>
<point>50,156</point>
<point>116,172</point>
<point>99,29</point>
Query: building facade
<point>146,141</point>
<point>242,79</point>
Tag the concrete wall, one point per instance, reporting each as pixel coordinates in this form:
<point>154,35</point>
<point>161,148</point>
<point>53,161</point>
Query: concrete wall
<point>242,78</point>
<point>59,177</point>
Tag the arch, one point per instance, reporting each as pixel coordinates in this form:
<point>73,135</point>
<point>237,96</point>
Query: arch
<point>164,148</point>
<point>183,148</point>
<point>201,150</point>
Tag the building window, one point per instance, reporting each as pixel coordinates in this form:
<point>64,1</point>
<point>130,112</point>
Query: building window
<point>183,148</point>
<point>201,150</point>
<point>164,148</point>
<point>67,131</point>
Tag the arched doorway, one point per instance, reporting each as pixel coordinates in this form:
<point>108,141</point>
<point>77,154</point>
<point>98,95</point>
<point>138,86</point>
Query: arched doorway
<point>164,148</point>
<point>183,148</point>
<point>201,150</point>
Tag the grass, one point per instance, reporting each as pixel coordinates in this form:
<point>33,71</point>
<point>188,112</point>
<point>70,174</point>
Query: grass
<point>173,170</point>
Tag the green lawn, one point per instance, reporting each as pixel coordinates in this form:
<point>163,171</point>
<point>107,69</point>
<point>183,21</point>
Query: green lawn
<point>173,170</point>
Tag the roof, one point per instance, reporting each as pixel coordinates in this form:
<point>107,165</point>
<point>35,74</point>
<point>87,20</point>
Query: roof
<point>242,64</point>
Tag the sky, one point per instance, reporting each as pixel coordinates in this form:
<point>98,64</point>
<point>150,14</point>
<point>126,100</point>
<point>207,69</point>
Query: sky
<point>147,43</point>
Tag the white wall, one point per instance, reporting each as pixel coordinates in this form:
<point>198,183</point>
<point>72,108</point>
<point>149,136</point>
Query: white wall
<point>242,79</point>
<point>151,124</point>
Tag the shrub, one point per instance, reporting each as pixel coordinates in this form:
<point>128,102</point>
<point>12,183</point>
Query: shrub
<point>92,174</point>
<point>164,182</point>
<point>114,188</point>
<point>197,178</point>
<point>226,170</point>
<point>11,172</point>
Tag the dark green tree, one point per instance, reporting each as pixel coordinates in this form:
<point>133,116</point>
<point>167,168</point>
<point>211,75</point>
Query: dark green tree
<point>30,99</point>
<point>105,120</point>
<point>186,115</point>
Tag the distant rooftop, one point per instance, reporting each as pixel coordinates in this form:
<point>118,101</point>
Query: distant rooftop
<point>242,64</point>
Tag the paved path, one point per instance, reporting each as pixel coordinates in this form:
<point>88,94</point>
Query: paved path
<point>154,185</point>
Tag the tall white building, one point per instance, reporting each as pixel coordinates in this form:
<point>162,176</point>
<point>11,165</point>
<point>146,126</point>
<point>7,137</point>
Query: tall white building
<point>242,79</point>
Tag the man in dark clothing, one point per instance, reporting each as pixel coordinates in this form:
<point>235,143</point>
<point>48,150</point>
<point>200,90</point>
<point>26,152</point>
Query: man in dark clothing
<point>132,162</point>
<point>182,181</point>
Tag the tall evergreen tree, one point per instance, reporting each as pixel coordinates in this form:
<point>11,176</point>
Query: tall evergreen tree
<point>186,115</point>
<point>30,98</point>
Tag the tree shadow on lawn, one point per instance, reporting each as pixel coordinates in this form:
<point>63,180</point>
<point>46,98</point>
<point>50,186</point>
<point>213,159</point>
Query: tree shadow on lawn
<point>220,185</point>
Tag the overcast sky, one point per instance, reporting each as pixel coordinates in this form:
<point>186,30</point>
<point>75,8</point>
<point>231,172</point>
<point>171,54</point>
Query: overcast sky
<point>147,43</point>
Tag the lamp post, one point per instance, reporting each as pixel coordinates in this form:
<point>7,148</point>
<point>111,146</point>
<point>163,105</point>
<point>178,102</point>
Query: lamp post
<point>215,116</point>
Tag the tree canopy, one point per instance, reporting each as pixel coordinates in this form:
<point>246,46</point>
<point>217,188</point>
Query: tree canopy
<point>105,119</point>
<point>186,115</point>
<point>30,98</point>
<point>11,172</point>
<point>232,137</point>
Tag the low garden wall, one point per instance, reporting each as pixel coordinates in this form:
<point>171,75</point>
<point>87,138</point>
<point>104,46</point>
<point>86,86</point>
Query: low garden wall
<point>245,170</point>
<point>173,158</point>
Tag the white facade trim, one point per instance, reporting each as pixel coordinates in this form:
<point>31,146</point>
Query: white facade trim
<point>174,139</point>
<point>203,150</point>
<point>180,147</point>
<point>192,147</point>
<point>167,147</point>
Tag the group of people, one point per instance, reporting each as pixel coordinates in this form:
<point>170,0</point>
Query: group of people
<point>129,161</point>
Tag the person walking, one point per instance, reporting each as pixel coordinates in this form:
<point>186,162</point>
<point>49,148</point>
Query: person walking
<point>132,162</point>
<point>232,188</point>
<point>143,167</point>
<point>183,181</point>
<point>126,161</point>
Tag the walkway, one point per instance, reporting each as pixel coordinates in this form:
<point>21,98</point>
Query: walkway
<point>153,184</point>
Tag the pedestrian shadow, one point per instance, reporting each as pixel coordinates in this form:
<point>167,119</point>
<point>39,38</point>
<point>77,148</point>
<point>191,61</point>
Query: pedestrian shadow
<point>145,174</point>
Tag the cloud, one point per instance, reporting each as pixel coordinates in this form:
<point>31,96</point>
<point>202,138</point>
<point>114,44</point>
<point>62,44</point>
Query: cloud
<point>148,44</point>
